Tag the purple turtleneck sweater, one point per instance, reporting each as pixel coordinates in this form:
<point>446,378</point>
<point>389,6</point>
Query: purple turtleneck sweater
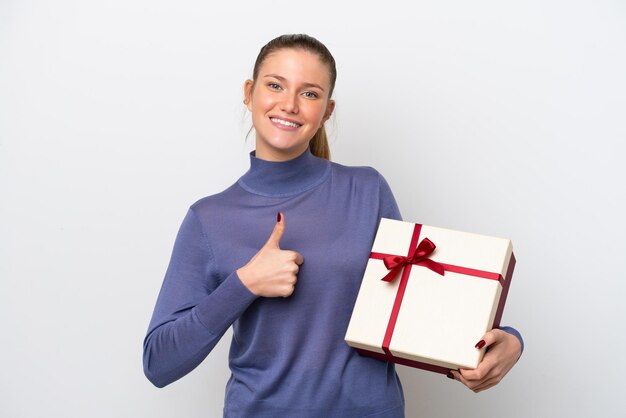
<point>288,356</point>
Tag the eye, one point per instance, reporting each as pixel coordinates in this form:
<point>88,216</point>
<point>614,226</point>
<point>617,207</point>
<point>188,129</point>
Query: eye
<point>273,86</point>
<point>310,94</point>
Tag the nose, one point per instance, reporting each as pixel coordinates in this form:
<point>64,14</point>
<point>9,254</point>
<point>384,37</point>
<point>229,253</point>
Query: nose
<point>289,103</point>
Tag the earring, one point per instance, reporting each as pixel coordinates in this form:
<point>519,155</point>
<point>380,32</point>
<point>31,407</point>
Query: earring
<point>245,101</point>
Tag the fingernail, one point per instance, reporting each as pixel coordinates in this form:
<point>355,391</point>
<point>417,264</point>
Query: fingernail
<point>480,344</point>
<point>450,375</point>
<point>278,217</point>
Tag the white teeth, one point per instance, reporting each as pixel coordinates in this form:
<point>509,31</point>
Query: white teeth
<point>284,122</point>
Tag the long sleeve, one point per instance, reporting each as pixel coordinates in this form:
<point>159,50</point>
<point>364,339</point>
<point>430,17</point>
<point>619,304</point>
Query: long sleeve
<point>193,309</point>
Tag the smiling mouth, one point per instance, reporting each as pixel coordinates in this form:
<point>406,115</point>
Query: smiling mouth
<point>285,123</point>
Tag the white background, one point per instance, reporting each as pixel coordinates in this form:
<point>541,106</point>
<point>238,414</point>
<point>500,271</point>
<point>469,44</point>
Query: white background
<point>498,117</point>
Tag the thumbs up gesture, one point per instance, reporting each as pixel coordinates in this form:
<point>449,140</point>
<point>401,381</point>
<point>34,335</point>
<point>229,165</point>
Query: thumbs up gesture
<point>272,272</point>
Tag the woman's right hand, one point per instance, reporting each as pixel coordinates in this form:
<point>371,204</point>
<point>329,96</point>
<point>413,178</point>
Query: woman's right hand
<point>272,272</point>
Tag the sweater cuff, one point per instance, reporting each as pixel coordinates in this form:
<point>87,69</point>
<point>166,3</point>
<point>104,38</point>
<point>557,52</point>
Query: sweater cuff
<point>225,304</point>
<point>516,333</point>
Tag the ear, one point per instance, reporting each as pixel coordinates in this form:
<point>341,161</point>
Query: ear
<point>329,111</point>
<point>247,93</point>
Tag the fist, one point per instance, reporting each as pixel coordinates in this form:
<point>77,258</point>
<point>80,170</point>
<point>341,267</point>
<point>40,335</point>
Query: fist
<point>272,272</point>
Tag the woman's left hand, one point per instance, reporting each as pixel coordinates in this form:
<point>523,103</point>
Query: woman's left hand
<point>503,351</point>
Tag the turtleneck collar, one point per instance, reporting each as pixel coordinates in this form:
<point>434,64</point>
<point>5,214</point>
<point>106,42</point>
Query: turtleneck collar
<point>284,178</point>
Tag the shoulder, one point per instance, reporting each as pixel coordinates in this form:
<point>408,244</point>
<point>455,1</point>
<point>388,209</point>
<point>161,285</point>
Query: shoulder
<point>369,181</point>
<point>364,174</point>
<point>365,177</point>
<point>367,184</point>
<point>214,204</point>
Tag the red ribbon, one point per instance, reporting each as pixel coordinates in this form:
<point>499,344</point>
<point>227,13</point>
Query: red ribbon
<point>395,263</point>
<point>418,255</point>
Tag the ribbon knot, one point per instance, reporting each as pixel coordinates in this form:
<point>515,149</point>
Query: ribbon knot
<point>395,263</point>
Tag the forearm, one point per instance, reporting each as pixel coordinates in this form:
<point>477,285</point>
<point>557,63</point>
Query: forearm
<point>176,345</point>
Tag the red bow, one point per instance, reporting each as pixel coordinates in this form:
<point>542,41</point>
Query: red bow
<point>395,263</point>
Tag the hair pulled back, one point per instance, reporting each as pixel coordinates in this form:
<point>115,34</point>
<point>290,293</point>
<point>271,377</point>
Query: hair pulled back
<point>319,143</point>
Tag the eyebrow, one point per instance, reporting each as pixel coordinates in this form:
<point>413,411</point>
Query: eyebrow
<point>283,79</point>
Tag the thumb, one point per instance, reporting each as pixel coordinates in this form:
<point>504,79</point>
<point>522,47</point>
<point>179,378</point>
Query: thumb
<point>274,239</point>
<point>489,338</point>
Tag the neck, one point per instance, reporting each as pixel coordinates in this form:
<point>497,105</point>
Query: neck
<point>273,154</point>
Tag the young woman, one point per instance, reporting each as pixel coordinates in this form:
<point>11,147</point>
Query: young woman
<point>279,255</point>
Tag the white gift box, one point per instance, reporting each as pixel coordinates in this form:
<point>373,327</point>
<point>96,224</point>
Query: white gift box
<point>422,318</point>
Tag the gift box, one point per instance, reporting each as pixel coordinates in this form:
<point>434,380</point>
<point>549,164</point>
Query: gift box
<point>429,294</point>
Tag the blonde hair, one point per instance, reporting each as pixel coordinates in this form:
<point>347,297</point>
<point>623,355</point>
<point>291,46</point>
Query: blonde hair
<point>319,143</point>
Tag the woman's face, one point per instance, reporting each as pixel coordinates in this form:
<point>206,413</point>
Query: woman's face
<point>289,102</point>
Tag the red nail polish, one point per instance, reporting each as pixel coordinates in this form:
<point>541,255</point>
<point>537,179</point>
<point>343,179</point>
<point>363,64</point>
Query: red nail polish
<point>278,217</point>
<point>450,375</point>
<point>480,344</point>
